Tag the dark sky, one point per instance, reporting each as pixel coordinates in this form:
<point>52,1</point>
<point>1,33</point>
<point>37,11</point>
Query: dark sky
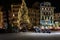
<point>55,3</point>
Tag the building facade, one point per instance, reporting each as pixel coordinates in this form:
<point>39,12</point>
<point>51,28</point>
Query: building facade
<point>57,19</point>
<point>13,15</point>
<point>57,16</point>
<point>34,15</point>
<point>1,19</point>
<point>46,14</point>
<point>19,14</point>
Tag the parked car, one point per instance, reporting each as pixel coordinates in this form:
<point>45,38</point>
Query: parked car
<point>37,29</point>
<point>45,29</point>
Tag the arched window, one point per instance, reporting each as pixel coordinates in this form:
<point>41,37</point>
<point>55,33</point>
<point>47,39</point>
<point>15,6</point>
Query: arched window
<point>51,18</point>
<point>42,17</point>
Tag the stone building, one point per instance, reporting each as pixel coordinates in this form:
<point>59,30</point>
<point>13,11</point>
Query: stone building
<point>46,14</point>
<point>34,15</point>
<point>57,19</point>
<point>18,14</point>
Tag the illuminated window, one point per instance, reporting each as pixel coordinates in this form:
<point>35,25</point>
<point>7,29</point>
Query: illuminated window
<point>51,9</point>
<point>45,8</point>
<point>45,13</point>
<point>48,17</point>
<point>13,15</point>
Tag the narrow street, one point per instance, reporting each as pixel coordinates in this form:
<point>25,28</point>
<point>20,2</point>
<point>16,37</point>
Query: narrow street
<point>30,36</point>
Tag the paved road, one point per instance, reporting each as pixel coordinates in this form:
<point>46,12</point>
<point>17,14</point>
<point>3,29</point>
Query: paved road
<point>30,36</point>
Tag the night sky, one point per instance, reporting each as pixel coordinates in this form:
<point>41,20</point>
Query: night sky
<point>6,3</point>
